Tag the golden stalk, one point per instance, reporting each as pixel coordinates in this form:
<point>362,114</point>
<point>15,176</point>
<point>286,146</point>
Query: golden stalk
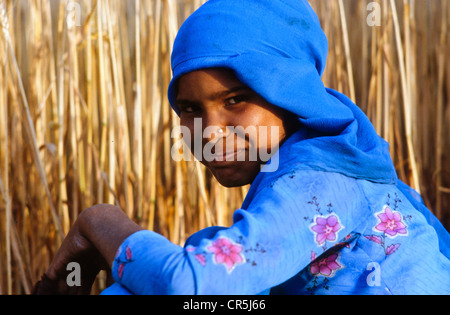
<point>407,105</point>
<point>440,111</point>
<point>8,221</point>
<point>137,115</point>
<point>347,50</point>
<point>62,190</point>
<point>4,188</point>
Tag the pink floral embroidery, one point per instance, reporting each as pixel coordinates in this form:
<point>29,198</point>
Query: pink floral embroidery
<point>201,259</point>
<point>190,249</point>
<point>392,249</point>
<point>326,266</point>
<point>120,270</point>
<point>391,223</point>
<point>128,254</point>
<point>226,252</point>
<point>326,229</point>
<point>128,258</point>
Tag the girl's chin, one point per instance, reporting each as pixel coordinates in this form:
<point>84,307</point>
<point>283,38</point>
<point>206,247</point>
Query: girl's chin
<point>235,174</point>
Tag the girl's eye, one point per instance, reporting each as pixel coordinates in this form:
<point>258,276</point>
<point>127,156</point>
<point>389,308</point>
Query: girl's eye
<point>188,109</point>
<point>235,100</point>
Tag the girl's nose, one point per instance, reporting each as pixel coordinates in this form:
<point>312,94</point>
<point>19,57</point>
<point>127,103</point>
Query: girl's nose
<point>215,126</point>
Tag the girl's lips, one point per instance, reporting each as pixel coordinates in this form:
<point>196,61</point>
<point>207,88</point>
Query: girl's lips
<point>227,157</point>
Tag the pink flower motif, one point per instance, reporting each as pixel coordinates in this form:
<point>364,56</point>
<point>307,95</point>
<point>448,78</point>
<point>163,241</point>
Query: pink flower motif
<point>326,229</point>
<point>226,252</point>
<point>390,223</point>
<point>326,266</point>
<point>120,270</point>
<point>128,253</point>
<point>122,263</point>
<point>392,249</point>
<point>190,249</point>
<point>201,259</point>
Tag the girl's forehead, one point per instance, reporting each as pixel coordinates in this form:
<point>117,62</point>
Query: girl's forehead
<point>211,82</point>
<point>221,76</point>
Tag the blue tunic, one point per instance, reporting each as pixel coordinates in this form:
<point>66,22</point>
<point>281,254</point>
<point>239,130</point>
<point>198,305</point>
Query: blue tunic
<point>302,232</point>
<point>331,217</point>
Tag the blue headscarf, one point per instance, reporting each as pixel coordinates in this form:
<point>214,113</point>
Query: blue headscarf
<point>278,49</point>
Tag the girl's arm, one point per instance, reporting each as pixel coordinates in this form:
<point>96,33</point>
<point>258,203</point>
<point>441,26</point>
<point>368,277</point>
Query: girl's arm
<point>106,227</point>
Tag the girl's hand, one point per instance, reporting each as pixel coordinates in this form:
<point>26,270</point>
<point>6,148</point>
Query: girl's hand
<point>75,248</point>
<point>92,243</point>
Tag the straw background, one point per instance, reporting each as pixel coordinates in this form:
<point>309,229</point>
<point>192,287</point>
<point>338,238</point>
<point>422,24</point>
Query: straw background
<point>84,117</point>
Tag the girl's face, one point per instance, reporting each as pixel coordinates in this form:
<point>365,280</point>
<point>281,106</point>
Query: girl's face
<point>239,129</point>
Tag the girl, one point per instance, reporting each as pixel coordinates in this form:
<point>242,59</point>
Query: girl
<point>328,215</point>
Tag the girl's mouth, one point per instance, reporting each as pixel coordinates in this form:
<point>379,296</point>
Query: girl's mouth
<point>218,158</point>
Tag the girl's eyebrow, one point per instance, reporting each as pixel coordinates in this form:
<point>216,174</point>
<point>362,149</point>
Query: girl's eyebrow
<point>214,96</point>
<point>223,94</point>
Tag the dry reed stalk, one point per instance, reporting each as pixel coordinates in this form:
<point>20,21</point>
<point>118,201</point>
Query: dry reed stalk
<point>20,263</point>
<point>102,102</point>
<point>440,109</point>
<point>63,209</point>
<point>4,188</point>
<point>121,115</point>
<point>74,118</point>
<point>137,114</point>
<point>179,227</point>
<point>111,121</point>
<point>348,57</point>
<point>386,87</point>
<point>387,67</point>
<point>155,112</point>
<point>407,105</point>
<point>90,101</point>
<point>8,221</point>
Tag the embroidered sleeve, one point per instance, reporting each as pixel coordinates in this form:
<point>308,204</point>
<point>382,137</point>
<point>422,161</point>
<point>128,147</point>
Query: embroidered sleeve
<point>269,242</point>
